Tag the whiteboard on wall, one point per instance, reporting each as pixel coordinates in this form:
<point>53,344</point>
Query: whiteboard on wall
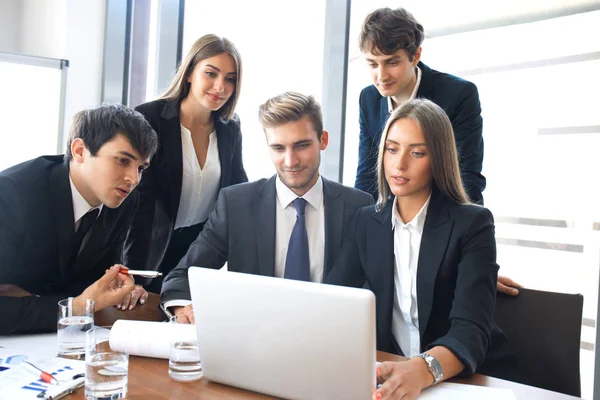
<point>32,94</point>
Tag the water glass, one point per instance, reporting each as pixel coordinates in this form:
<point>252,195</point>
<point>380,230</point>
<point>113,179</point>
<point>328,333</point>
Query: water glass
<point>72,324</point>
<point>184,361</point>
<point>106,371</point>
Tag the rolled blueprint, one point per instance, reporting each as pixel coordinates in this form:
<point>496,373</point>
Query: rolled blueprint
<point>148,339</point>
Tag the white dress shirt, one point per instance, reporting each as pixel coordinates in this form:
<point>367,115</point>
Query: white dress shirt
<point>315,227</point>
<point>285,219</point>
<point>80,205</point>
<point>199,186</point>
<point>407,243</point>
<point>412,95</point>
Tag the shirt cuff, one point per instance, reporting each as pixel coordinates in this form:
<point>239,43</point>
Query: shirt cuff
<point>176,303</point>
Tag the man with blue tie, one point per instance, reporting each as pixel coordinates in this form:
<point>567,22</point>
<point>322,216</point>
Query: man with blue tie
<point>288,226</point>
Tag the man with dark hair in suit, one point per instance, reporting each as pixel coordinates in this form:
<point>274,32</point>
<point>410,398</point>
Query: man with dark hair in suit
<point>63,220</point>
<point>391,43</point>
<point>288,226</point>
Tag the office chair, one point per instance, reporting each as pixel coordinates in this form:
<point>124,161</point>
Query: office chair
<point>544,329</point>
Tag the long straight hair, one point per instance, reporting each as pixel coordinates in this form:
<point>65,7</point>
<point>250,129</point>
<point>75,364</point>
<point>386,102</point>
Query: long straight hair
<point>205,47</point>
<point>439,137</point>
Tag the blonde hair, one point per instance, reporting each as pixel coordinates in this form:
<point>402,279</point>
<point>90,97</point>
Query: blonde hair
<point>439,137</point>
<point>205,47</point>
<point>290,107</point>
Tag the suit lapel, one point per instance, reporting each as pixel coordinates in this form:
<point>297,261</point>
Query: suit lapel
<point>170,127</point>
<point>384,114</point>
<point>62,204</point>
<point>225,152</point>
<point>435,239</point>
<point>334,223</point>
<point>426,86</point>
<point>380,239</point>
<point>265,227</point>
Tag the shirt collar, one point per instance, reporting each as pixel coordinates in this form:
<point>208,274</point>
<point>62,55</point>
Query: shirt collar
<point>80,204</point>
<point>418,222</point>
<point>285,195</point>
<point>414,92</point>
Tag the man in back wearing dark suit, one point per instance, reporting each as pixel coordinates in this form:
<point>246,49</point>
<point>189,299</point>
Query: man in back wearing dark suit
<point>288,226</point>
<point>391,43</point>
<point>63,220</point>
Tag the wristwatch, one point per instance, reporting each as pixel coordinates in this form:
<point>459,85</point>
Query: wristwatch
<point>434,367</point>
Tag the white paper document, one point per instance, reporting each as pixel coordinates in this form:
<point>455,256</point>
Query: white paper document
<point>19,381</point>
<point>148,339</point>
<point>459,391</point>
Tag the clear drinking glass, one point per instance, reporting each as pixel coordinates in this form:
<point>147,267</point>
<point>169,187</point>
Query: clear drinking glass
<point>106,371</point>
<point>72,324</point>
<point>184,356</point>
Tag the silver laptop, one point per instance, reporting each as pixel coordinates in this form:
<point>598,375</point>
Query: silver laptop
<point>285,338</point>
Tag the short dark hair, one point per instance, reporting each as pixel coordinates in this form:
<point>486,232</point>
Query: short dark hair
<point>386,31</point>
<point>291,107</point>
<point>100,125</point>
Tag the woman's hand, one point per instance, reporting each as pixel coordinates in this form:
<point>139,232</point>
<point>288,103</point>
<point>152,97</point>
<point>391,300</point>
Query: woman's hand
<point>402,380</point>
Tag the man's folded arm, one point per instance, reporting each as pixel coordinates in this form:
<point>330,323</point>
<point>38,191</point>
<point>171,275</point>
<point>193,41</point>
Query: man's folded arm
<point>28,314</point>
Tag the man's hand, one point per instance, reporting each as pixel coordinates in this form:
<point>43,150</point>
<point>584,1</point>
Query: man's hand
<point>107,291</point>
<point>507,285</point>
<point>130,301</point>
<point>402,380</point>
<point>185,315</point>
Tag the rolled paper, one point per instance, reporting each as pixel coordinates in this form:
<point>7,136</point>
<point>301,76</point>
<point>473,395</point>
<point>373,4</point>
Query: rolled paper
<point>148,339</point>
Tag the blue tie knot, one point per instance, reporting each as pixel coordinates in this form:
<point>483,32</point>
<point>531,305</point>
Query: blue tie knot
<point>299,205</point>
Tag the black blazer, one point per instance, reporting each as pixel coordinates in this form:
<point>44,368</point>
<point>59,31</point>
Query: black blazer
<point>160,188</point>
<point>456,281</point>
<point>36,233</point>
<point>457,97</point>
<point>241,231</point>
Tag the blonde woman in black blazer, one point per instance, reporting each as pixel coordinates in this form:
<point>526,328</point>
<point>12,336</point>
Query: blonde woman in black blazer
<point>449,274</point>
<point>199,105</point>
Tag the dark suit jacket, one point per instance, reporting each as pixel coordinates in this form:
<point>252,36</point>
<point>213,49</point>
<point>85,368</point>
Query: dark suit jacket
<point>36,233</point>
<point>241,231</point>
<point>160,188</point>
<point>457,97</point>
<point>456,281</point>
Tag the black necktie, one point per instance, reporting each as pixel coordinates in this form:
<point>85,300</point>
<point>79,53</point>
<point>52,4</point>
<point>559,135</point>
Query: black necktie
<point>85,224</point>
<point>297,264</point>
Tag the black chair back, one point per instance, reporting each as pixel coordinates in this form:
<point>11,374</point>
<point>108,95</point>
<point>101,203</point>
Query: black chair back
<point>544,329</point>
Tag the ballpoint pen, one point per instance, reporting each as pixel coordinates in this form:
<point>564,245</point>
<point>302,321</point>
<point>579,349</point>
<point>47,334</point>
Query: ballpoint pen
<point>45,376</point>
<point>145,274</point>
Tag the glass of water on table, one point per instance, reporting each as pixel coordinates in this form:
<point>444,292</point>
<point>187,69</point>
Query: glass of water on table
<point>106,370</point>
<point>72,324</point>
<point>184,355</point>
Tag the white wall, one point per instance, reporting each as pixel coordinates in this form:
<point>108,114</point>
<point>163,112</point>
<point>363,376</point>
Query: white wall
<point>43,28</point>
<point>64,29</point>
<point>10,15</point>
<point>84,48</point>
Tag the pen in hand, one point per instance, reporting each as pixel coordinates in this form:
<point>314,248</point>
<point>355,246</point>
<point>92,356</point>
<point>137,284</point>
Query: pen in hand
<point>145,274</point>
